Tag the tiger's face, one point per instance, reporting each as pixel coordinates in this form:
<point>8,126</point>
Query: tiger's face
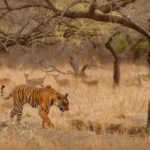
<point>62,102</point>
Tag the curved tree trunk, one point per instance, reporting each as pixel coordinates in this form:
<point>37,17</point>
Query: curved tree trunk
<point>116,75</point>
<point>116,67</point>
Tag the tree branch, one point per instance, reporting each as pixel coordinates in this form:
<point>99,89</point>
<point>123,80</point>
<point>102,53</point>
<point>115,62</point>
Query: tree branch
<point>7,5</point>
<point>92,8</point>
<point>110,19</point>
<point>85,67</point>
<point>128,49</point>
<point>51,66</point>
<point>97,17</point>
<point>52,7</point>
<point>26,6</point>
<point>114,5</point>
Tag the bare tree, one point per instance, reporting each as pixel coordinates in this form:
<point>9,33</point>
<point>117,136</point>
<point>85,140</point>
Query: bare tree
<point>89,13</point>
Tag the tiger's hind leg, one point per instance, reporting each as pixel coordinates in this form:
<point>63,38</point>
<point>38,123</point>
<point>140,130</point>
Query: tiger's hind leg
<point>17,110</point>
<point>13,113</point>
<point>19,114</point>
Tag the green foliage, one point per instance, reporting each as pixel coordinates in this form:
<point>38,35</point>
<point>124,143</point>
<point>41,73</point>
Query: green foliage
<point>143,45</point>
<point>120,43</point>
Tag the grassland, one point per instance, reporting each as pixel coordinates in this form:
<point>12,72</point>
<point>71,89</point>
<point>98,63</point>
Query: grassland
<point>100,116</point>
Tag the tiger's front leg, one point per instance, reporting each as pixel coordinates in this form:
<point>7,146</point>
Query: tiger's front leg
<point>43,124</point>
<point>44,115</point>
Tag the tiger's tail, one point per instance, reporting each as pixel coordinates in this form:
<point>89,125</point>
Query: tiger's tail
<point>2,93</point>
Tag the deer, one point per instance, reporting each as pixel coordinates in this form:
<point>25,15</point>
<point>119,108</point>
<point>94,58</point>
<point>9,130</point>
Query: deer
<point>61,82</point>
<point>34,81</point>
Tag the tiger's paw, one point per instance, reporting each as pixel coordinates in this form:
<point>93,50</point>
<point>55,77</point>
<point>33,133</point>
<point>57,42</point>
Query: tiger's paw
<point>51,125</point>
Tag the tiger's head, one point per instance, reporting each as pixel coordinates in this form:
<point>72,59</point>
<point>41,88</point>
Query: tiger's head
<point>62,102</point>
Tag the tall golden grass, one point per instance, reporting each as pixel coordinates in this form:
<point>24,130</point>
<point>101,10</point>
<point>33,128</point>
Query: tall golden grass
<point>94,110</point>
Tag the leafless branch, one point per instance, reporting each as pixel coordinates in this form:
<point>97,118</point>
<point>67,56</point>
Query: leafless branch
<point>113,5</point>
<point>51,6</point>
<point>26,6</point>
<point>92,8</point>
<point>23,27</point>
<point>4,47</point>
<point>71,5</point>
<point>74,62</point>
<point>50,66</point>
<point>84,68</point>
<point>41,24</point>
<point>22,48</point>
<point>7,5</point>
<point>4,14</point>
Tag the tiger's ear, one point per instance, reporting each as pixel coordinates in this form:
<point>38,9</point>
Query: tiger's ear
<point>60,96</point>
<point>66,95</point>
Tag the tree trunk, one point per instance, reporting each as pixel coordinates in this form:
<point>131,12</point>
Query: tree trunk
<point>116,75</point>
<point>116,67</point>
<point>148,117</point>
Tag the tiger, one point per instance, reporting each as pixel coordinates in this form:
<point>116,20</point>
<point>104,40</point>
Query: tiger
<point>41,98</point>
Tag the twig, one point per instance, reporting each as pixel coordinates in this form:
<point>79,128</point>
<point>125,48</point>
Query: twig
<point>7,5</point>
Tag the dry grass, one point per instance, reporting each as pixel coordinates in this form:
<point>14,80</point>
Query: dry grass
<point>100,116</point>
